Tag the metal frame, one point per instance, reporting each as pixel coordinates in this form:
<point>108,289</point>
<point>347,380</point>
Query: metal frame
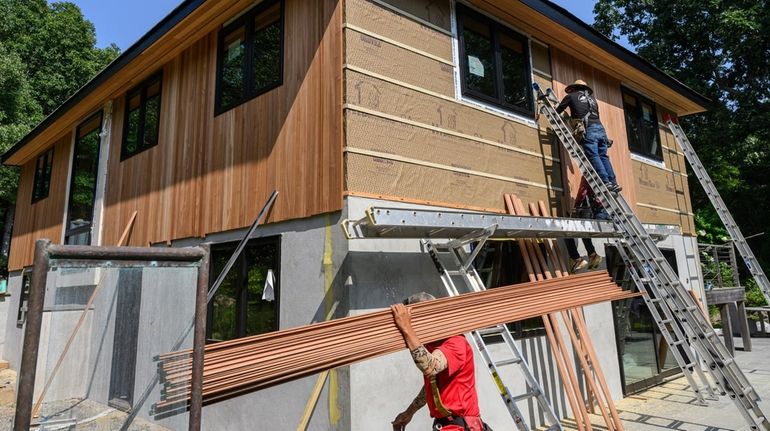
<point>80,256</point>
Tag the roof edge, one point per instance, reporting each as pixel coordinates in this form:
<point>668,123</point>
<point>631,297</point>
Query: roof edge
<point>156,32</point>
<point>568,20</point>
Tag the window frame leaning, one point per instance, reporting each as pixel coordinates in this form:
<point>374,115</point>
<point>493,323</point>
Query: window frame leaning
<point>141,90</point>
<point>246,21</point>
<point>496,30</point>
<point>41,184</point>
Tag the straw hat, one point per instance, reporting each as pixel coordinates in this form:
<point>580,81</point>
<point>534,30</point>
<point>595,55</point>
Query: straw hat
<point>578,85</point>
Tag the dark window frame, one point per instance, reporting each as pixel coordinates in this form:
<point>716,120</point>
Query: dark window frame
<point>639,118</point>
<point>80,229</point>
<point>41,185</point>
<point>247,22</point>
<point>141,89</point>
<point>495,29</point>
<point>229,247</point>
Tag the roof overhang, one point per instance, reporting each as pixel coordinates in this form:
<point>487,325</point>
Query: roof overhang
<point>537,17</point>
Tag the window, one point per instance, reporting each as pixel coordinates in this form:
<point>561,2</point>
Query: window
<point>85,161</point>
<point>21,316</point>
<point>641,125</point>
<point>494,62</point>
<point>250,60</point>
<point>141,125</point>
<point>42,182</point>
<point>241,306</point>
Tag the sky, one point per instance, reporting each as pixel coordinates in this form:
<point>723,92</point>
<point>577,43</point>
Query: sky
<point>123,22</point>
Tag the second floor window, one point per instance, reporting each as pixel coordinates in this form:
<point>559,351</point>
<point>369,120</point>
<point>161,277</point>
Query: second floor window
<point>494,62</point>
<point>42,182</point>
<point>641,125</point>
<point>250,60</point>
<point>141,126</point>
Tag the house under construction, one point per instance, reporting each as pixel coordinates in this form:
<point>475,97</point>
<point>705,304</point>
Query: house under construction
<point>361,114</point>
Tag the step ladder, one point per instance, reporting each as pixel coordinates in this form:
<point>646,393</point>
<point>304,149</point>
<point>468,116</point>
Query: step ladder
<point>658,279</point>
<point>453,262</point>
<point>716,200</point>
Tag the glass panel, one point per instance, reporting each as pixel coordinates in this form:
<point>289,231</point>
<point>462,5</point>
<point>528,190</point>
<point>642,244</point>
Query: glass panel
<point>131,144</point>
<point>638,344</point>
<point>479,58</point>
<point>515,72</point>
<point>633,127</point>
<point>650,133</point>
<point>224,304</point>
<point>83,186</point>
<point>261,315</point>
<point>152,116</point>
<point>233,65</point>
<point>267,56</point>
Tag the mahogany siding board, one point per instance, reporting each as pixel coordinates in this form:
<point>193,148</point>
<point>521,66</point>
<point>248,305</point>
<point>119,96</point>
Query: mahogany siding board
<point>42,219</point>
<point>211,174</point>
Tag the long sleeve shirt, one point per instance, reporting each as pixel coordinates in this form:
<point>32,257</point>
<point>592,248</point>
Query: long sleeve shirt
<point>580,103</point>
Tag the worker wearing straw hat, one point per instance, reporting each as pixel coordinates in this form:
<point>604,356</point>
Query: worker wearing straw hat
<point>449,377</point>
<point>588,129</point>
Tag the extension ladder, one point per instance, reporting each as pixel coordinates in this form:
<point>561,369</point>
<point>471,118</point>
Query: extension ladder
<point>719,205</point>
<point>460,264</point>
<point>657,278</point>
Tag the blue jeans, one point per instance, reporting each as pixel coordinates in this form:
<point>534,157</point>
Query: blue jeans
<point>595,146</point>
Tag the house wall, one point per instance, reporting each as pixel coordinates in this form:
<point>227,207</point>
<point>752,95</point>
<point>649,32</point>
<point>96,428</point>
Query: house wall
<point>212,173</point>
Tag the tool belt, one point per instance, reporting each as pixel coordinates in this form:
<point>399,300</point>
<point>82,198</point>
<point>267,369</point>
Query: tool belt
<point>440,423</point>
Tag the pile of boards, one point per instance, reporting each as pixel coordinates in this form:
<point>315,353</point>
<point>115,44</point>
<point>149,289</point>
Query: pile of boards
<point>249,364</point>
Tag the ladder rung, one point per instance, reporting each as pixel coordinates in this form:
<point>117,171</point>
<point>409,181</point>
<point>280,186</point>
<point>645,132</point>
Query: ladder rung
<point>525,396</point>
<point>507,362</point>
<point>497,330</point>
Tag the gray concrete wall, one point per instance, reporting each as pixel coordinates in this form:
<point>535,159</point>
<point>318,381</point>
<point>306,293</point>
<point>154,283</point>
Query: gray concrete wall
<point>14,335</point>
<point>5,307</point>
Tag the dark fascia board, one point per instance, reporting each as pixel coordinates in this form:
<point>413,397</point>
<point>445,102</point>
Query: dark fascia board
<point>161,28</point>
<point>566,19</point>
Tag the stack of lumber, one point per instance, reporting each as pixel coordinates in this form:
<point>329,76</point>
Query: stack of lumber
<point>249,364</point>
<point>543,260</point>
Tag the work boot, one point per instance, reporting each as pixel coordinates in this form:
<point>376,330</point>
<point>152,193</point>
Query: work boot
<point>594,260</point>
<point>577,265</point>
<point>614,188</point>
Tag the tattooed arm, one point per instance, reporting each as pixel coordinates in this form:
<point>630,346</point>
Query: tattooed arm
<point>429,363</point>
<point>405,417</point>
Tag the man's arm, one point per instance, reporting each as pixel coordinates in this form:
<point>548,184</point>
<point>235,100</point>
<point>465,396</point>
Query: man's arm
<point>429,363</point>
<point>564,104</point>
<point>405,417</point>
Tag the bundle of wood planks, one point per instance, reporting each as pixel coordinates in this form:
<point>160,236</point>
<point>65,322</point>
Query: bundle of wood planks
<point>543,260</point>
<point>249,364</point>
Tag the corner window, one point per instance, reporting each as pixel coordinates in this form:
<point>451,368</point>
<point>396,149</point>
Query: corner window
<point>494,62</point>
<point>42,183</point>
<point>247,301</point>
<point>641,125</point>
<point>141,125</point>
<point>21,315</point>
<point>250,59</point>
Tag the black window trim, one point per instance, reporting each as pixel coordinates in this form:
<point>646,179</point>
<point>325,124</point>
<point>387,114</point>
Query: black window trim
<point>642,99</point>
<point>495,27</point>
<point>78,230</point>
<point>46,176</point>
<point>230,245</point>
<point>247,20</point>
<point>141,88</point>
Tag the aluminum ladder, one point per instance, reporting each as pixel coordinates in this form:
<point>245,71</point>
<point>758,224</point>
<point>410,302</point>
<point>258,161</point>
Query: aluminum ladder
<point>716,200</point>
<point>452,254</point>
<point>658,278</point>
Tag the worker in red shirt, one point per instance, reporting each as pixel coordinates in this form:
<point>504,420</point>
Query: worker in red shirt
<point>448,370</point>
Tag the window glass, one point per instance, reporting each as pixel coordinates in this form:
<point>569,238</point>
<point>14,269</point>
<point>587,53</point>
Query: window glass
<point>42,182</point>
<point>83,182</point>
<point>152,115</point>
<point>241,307</point>
<point>641,125</point>
<point>233,63</point>
<point>131,140</point>
<point>250,57</point>
<point>142,122</point>
<point>495,64</point>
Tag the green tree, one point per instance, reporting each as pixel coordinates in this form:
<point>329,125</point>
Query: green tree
<point>47,52</point>
<point>720,48</point>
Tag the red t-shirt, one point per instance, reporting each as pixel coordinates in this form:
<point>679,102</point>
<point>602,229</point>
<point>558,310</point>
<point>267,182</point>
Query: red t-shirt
<point>456,384</point>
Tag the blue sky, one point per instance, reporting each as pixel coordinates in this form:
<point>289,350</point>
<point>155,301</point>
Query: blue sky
<point>123,22</point>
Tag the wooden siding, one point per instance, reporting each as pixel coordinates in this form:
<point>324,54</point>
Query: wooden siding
<point>42,219</point>
<point>212,174</point>
<point>409,138</point>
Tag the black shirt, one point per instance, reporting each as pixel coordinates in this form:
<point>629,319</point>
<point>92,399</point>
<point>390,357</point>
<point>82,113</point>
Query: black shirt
<point>580,103</point>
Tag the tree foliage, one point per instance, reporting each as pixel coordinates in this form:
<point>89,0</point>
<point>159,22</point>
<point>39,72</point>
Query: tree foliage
<point>47,52</point>
<point>720,48</point>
